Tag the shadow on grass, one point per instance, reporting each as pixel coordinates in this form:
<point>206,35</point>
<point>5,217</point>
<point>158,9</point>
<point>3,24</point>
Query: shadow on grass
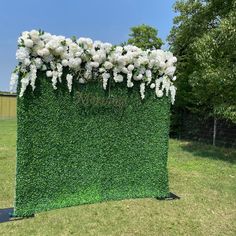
<point>208,151</point>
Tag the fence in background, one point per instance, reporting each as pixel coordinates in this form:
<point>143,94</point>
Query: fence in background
<point>7,106</point>
<point>207,130</point>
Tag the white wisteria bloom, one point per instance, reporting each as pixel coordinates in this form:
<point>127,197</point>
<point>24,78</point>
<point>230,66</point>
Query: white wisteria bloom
<point>142,90</point>
<point>22,53</point>
<point>33,76</point>
<point>69,79</point>
<point>13,81</point>
<point>54,79</point>
<point>105,77</point>
<point>24,83</point>
<point>173,93</point>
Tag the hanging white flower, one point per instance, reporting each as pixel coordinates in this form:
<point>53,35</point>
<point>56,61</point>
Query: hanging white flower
<point>172,93</point>
<point>69,79</point>
<point>24,83</point>
<point>22,53</point>
<point>142,90</point>
<point>33,76</point>
<point>165,84</point>
<point>54,79</point>
<point>105,77</point>
<point>59,70</point>
<point>130,84</point>
<point>13,81</point>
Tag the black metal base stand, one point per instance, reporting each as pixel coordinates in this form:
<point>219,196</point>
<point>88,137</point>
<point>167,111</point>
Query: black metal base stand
<point>6,215</point>
<point>171,196</point>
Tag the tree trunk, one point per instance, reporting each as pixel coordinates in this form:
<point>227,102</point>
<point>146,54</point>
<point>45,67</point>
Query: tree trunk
<point>214,132</point>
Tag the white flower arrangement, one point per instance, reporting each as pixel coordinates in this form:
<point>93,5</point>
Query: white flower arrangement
<point>86,60</point>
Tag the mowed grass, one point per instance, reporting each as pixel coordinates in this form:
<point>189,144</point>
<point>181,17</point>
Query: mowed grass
<point>204,177</point>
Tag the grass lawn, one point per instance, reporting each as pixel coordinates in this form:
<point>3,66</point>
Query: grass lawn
<point>204,177</point>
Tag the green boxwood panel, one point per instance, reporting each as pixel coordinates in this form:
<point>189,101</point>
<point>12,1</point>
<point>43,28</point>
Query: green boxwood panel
<point>89,146</point>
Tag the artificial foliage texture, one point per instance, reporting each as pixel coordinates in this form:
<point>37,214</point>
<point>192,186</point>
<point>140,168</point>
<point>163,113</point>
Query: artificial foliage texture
<point>89,145</point>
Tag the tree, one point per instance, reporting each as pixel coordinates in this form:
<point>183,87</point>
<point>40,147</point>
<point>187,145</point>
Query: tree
<point>214,82</point>
<point>203,39</point>
<point>145,37</point>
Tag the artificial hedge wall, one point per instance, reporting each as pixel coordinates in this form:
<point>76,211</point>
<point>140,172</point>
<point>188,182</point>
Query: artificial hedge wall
<point>89,145</point>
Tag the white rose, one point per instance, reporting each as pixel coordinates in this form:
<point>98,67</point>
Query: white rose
<point>74,62</point>
<point>170,71</point>
<point>130,67</point>
<point>59,50</point>
<point>43,52</point>
<point>34,34</point>
<point>64,62</point>
<point>27,62</point>
<point>28,43</point>
<point>96,57</point>
<point>108,65</point>
<point>125,70</point>
<point>94,64</point>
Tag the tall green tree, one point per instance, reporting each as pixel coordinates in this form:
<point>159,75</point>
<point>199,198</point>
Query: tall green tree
<point>203,38</point>
<point>145,37</point>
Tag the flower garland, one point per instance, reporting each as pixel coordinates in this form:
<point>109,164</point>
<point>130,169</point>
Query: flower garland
<point>86,60</point>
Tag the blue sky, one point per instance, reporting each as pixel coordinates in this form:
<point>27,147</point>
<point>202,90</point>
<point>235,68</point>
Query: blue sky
<point>106,20</point>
